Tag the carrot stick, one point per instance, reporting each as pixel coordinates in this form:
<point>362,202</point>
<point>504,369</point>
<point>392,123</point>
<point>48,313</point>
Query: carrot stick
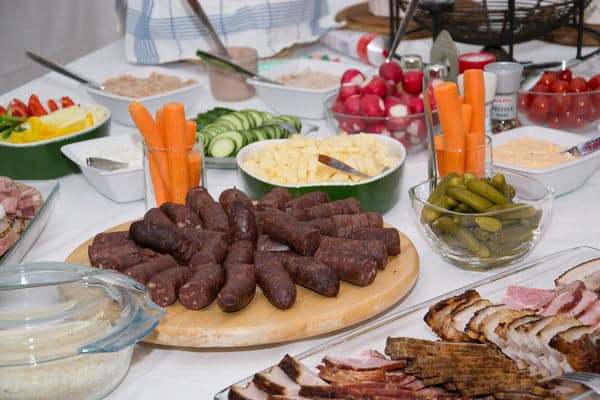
<point>160,122</point>
<point>475,96</point>
<point>461,99</point>
<point>438,144</point>
<point>475,157</point>
<point>194,157</point>
<point>153,139</point>
<point>453,132</point>
<point>175,140</point>
<point>467,112</point>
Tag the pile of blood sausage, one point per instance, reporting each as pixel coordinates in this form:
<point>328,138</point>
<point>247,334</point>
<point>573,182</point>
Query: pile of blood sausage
<point>206,249</point>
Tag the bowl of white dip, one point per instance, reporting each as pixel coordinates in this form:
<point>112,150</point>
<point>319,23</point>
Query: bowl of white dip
<point>68,331</point>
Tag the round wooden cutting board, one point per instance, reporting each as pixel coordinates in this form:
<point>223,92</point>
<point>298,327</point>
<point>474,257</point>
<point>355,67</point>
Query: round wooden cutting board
<point>262,323</point>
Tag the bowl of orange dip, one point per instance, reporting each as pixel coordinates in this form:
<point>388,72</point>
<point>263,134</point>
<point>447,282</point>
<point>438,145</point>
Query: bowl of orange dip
<point>538,152</point>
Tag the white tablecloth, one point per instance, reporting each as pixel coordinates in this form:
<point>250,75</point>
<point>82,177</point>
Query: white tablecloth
<point>158,373</point>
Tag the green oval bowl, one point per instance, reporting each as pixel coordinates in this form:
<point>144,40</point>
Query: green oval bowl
<point>379,193</point>
<point>43,159</point>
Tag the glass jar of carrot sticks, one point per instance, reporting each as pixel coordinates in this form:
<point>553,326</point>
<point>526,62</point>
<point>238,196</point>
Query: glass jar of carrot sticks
<point>462,146</point>
<point>173,155</point>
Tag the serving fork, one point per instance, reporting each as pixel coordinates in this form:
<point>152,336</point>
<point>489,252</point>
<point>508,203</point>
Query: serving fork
<point>588,379</point>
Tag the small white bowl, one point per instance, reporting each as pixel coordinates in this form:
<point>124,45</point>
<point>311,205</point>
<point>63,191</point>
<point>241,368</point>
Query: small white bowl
<point>187,95</point>
<point>562,178</point>
<point>122,185</point>
<point>301,102</point>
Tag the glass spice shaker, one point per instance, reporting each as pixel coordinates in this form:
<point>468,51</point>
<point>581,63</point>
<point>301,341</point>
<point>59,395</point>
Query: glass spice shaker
<point>504,106</point>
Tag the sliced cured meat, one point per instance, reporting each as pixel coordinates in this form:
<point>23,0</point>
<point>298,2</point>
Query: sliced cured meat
<point>489,324</point>
<point>473,327</point>
<point>275,199</point>
<point>203,286</point>
<point>459,318</point>
<point>344,206</point>
<point>307,200</point>
<point>366,362</point>
<point>156,216</point>
<point>446,329</point>
<point>555,360</point>
<point>564,299</point>
<point>592,315</point>
<point>8,233</point>
<point>350,267</point>
<point>181,215</point>
<point>115,256</point>
<point>372,249</point>
<point>239,288</point>
<point>299,373</point>
<point>390,237</point>
<point>284,228</point>
<point>274,381</point>
<point>587,299</point>
<point>9,195</point>
<point>111,237</point>
<point>147,269</point>
<point>30,201</point>
<point>248,392</point>
<point>522,297</point>
<point>275,282</point>
<point>582,352</point>
<point>164,287</point>
<point>581,272</point>
<point>436,313</point>
<point>313,274</point>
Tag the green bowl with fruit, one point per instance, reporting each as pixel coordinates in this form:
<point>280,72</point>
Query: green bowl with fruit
<point>480,224</point>
<point>24,157</point>
<point>379,193</point>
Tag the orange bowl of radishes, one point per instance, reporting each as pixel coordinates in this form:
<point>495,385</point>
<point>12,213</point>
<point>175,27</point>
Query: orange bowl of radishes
<point>389,103</point>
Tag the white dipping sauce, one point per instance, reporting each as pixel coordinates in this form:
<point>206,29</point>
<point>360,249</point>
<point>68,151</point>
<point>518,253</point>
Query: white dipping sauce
<point>132,154</point>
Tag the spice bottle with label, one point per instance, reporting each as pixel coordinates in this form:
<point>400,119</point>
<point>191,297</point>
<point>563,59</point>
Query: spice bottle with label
<point>504,105</point>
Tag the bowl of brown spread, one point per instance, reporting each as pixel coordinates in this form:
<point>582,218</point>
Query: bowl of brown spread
<point>539,152</point>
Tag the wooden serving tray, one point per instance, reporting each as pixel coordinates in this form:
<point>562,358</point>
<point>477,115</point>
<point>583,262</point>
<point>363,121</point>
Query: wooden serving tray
<point>262,323</point>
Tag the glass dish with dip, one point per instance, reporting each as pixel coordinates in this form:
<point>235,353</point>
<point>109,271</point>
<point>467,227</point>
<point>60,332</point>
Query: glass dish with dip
<point>230,86</point>
<point>536,152</point>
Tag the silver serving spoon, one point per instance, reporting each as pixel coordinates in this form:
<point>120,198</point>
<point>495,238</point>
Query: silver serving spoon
<point>584,148</point>
<point>63,70</point>
<point>341,166</point>
<point>231,66</point>
<point>105,163</point>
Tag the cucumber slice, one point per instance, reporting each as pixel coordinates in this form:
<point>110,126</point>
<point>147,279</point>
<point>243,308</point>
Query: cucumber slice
<point>237,120</point>
<point>255,117</point>
<point>237,138</point>
<point>261,134</point>
<point>265,115</point>
<point>294,121</point>
<point>222,147</point>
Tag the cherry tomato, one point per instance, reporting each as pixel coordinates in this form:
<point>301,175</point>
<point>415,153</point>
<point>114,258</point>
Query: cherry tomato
<point>547,78</point>
<point>567,120</point>
<point>594,82</point>
<point>577,85</point>
<point>19,109</point>
<point>581,122</point>
<point>581,105</point>
<point>540,107</point>
<point>594,112</point>
<point>559,103</point>
<point>540,88</point>
<point>524,101</point>
<point>554,122</point>
<point>565,75</point>
<point>559,86</point>
<point>52,106</point>
<point>36,107</point>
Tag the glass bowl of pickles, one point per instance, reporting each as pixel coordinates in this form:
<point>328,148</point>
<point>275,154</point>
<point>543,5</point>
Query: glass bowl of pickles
<point>482,223</point>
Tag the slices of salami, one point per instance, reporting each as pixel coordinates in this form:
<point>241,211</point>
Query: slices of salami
<point>286,229</point>
<point>203,287</point>
<point>390,237</point>
<point>372,249</point>
<point>164,287</point>
<point>349,267</point>
<point>239,288</point>
<point>275,282</point>
<point>149,268</point>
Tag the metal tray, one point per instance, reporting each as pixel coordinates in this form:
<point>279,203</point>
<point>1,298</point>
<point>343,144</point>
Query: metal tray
<point>409,322</point>
<point>49,191</point>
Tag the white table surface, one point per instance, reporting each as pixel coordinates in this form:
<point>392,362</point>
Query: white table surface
<point>158,373</point>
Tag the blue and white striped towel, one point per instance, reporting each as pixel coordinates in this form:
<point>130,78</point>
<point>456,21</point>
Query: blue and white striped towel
<point>160,31</point>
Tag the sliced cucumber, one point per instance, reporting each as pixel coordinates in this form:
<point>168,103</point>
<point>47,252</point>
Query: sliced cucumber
<point>261,134</point>
<point>222,147</point>
<point>255,116</point>
<point>237,120</point>
<point>236,136</point>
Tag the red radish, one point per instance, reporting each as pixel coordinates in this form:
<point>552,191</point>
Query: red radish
<point>412,81</point>
<point>353,125</point>
<point>379,127</point>
<point>374,85</point>
<point>352,105</point>
<point>392,89</point>
<point>338,106</point>
<point>372,105</point>
<point>391,71</point>
<point>397,113</point>
<point>347,90</point>
<point>352,76</point>
<point>417,129</point>
<point>416,106</point>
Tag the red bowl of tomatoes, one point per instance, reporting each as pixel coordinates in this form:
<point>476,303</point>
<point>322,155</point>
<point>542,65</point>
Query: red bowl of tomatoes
<point>561,100</point>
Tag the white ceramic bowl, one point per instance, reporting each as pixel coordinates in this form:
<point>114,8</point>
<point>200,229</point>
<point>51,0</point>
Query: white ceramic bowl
<point>121,185</point>
<point>562,178</point>
<point>187,95</point>
<point>301,102</point>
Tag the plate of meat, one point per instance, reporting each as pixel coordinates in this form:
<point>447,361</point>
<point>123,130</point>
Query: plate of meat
<point>25,208</point>
<point>234,272</point>
<point>504,337</point>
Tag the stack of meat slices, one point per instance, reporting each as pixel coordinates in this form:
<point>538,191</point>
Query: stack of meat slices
<point>19,203</point>
<point>206,249</point>
<point>548,331</point>
<point>416,369</point>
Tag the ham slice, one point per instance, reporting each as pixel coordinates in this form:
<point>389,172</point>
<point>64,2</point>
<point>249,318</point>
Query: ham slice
<point>9,195</point>
<point>582,272</point>
<point>30,201</point>
<point>564,299</point>
<point>521,297</point>
<point>275,381</point>
<point>592,315</point>
<point>587,299</point>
